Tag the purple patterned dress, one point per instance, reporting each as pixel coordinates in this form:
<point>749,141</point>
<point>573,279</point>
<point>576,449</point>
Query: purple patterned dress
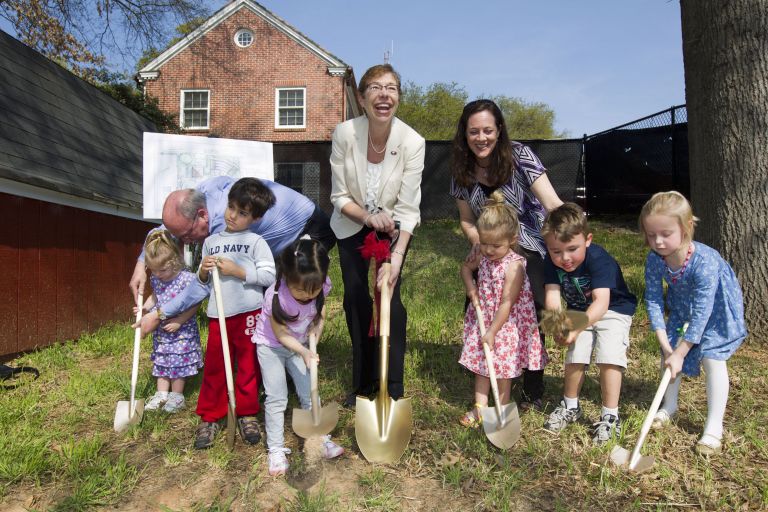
<point>175,354</point>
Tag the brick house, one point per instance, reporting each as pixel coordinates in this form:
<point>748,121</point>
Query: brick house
<point>247,74</point>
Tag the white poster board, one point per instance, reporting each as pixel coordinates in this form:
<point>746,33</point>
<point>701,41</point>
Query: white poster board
<point>173,162</point>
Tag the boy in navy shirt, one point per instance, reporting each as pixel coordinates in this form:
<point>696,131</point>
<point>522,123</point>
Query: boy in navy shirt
<point>589,279</point>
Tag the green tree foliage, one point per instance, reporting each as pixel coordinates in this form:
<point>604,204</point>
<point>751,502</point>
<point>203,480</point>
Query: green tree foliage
<point>122,90</point>
<point>434,112</point>
<point>527,120</point>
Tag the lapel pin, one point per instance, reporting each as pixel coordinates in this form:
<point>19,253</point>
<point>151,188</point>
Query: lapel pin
<point>393,152</point>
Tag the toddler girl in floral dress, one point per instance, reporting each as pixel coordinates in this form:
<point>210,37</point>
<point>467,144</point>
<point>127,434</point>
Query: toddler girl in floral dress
<point>176,350</point>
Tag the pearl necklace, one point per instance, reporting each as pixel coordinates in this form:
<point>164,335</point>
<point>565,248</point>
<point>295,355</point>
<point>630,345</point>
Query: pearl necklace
<point>374,147</point>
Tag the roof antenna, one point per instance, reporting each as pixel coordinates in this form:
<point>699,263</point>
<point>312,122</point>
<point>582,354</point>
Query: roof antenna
<point>388,53</point>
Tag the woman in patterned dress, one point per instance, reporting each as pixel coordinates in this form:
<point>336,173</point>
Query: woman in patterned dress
<point>485,160</point>
<point>176,350</point>
<point>506,303</point>
<point>705,324</point>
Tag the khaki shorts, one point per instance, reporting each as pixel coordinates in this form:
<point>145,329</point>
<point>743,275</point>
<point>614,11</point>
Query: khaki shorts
<point>609,337</point>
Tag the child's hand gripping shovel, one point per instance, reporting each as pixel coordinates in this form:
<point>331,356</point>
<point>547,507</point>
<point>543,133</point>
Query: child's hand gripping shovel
<point>383,425</point>
<point>231,418</point>
<point>317,421</point>
<point>129,413</point>
<point>636,462</point>
<point>501,422</point>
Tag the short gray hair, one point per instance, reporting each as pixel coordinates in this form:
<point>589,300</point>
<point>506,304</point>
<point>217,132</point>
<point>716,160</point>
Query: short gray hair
<point>193,201</point>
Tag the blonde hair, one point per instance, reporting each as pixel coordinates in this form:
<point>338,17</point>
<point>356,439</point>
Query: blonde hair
<point>565,222</point>
<point>498,215</point>
<point>671,204</point>
<point>162,252</point>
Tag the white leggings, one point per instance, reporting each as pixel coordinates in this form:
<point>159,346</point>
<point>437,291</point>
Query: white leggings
<point>717,395</point>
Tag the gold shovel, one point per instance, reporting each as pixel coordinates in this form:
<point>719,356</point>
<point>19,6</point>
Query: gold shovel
<point>501,422</point>
<point>317,421</point>
<point>634,461</point>
<point>231,418</point>
<point>383,425</point>
<point>127,412</point>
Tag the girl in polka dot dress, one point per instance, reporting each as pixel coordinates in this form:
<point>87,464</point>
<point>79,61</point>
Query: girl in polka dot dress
<point>176,342</point>
<point>506,301</point>
<point>705,322</point>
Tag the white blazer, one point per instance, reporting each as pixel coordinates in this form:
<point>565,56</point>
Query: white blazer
<point>400,184</point>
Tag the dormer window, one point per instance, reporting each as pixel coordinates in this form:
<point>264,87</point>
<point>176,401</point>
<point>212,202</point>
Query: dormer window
<point>243,38</point>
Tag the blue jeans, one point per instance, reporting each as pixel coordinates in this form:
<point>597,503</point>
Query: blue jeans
<point>275,361</point>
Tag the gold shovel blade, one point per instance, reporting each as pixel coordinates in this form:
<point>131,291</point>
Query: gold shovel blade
<point>383,437</point>
<point>620,456</point>
<point>502,436</point>
<point>304,424</point>
<point>123,416</point>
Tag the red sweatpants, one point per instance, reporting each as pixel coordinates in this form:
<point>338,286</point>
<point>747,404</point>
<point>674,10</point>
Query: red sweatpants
<point>212,403</point>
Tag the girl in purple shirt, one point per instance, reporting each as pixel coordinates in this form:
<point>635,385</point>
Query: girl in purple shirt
<point>293,309</point>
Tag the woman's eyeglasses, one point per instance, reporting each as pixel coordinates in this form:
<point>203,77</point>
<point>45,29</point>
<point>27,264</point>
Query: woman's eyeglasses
<point>389,88</point>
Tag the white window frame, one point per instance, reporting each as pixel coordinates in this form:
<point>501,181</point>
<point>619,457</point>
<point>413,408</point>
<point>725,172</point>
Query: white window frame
<point>207,109</point>
<point>278,126</point>
<point>243,31</point>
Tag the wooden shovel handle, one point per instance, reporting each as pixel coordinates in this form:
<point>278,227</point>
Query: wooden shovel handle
<point>136,349</point>
<point>315,394</point>
<point>224,338</point>
<point>649,417</point>
<point>384,315</point>
<point>489,362</point>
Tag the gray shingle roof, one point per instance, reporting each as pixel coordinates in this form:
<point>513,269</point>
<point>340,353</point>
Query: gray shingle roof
<point>58,132</point>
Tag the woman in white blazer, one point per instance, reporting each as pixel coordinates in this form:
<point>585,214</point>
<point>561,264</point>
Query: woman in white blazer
<point>377,161</point>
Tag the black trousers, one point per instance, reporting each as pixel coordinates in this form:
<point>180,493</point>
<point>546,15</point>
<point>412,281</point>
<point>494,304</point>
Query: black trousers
<point>318,227</point>
<point>358,309</point>
<point>533,380</point>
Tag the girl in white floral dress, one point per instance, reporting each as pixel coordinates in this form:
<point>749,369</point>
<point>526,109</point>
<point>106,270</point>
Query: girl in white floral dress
<point>506,301</point>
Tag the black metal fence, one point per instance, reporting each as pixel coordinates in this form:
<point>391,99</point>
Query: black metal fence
<point>627,164</point>
<point>614,171</point>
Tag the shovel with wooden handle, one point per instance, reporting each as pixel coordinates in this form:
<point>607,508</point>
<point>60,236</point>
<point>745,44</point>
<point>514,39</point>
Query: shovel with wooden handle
<point>231,418</point>
<point>383,425</point>
<point>318,421</point>
<point>501,422</point>
<point>634,461</point>
<point>130,412</point>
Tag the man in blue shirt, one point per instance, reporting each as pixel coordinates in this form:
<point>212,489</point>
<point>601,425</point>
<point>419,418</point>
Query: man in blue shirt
<point>192,215</point>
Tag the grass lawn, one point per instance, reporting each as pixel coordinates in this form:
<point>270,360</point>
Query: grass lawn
<point>58,450</point>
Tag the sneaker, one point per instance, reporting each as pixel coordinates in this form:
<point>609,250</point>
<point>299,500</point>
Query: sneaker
<point>660,419</point>
<point>278,462</point>
<point>157,400</point>
<point>607,428</point>
<point>206,433</point>
<point>330,449</point>
<point>561,417</point>
<point>249,429</point>
<point>175,402</point>
<point>535,405</point>
<point>709,445</point>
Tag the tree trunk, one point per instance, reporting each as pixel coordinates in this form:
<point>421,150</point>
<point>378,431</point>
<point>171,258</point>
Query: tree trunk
<point>725,49</point>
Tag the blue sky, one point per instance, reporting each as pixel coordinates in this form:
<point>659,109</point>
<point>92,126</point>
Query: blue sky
<point>598,63</point>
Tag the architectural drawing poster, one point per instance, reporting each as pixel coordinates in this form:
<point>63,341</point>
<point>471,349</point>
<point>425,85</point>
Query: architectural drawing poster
<point>173,162</point>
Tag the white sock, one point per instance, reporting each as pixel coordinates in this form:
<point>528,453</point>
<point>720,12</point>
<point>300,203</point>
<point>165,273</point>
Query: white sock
<point>717,396</point>
<point>606,410</point>
<point>571,403</point>
<point>163,394</point>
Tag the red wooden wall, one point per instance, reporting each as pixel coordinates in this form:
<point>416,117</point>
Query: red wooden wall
<point>64,271</point>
